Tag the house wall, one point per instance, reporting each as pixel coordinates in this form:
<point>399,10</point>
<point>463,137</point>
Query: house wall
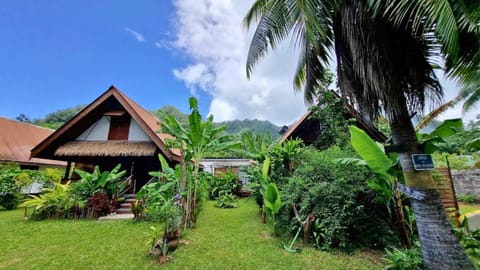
<point>467,182</point>
<point>136,133</point>
<point>215,166</point>
<point>99,131</point>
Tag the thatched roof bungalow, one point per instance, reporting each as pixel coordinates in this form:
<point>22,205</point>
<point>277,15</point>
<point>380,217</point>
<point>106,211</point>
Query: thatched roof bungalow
<point>112,129</point>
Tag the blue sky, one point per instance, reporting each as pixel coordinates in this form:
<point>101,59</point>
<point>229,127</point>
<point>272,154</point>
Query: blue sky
<point>59,54</point>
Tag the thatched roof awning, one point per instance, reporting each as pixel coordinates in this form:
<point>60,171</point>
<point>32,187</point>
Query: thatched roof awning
<point>106,149</point>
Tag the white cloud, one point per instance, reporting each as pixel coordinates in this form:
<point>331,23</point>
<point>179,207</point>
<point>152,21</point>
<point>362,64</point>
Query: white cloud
<point>164,44</point>
<point>195,75</point>
<point>211,33</point>
<point>139,37</point>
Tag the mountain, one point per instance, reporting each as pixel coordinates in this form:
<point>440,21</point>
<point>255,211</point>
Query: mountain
<point>251,126</point>
<point>233,127</point>
<point>180,116</point>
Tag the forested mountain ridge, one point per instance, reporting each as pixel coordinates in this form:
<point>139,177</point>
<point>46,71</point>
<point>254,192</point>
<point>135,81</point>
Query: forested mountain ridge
<point>251,126</point>
<point>56,119</point>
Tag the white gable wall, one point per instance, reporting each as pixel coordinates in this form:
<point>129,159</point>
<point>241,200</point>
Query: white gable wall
<point>99,131</point>
<point>136,133</point>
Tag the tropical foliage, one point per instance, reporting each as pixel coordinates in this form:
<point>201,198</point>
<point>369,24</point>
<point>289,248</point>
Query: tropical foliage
<point>57,202</point>
<point>344,207</point>
<point>108,182</point>
<point>195,143</point>
<point>330,113</point>
<point>94,195</point>
<point>14,182</point>
<point>226,200</point>
<point>223,183</point>
<point>384,52</point>
<point>404,258</point>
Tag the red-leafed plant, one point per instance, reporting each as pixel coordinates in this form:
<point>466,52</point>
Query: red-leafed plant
<point>99,205</point>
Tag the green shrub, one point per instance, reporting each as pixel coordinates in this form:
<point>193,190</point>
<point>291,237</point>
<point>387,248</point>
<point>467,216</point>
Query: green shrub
<point>470,241</point>
<point>57,202</point>
<point>346,212</point>
<point>13,179</point>
<point>226,200</point>
<point>467,198</point>
<point>9,195</point>
<point>456,161</point>
<point>107,182</point>
<point>10,201</point>
<point>224,183</point>
<point>404,259</point>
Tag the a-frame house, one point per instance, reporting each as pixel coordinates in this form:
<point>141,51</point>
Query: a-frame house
<point>112,129</point>
<point>309,130</point>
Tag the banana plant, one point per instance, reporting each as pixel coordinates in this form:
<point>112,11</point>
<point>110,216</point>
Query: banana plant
<point>98,181</point>
<point>166,186</point>
<point>257,146</point>
<point>373,155</point>
<point>271,196</point>
<point>202,138</point>
<point>388,172</point>
<point>272,203</point>
<point>448,128</point>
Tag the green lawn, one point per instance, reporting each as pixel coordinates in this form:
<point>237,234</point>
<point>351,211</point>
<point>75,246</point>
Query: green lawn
<point>223,239</point>
<point>71,244</point>
<point>467,207</point>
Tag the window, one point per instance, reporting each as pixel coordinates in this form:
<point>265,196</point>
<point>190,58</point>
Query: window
<point>119,127</point>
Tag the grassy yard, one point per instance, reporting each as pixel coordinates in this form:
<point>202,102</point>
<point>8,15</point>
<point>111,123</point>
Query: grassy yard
<point>223,239</point>
<point>467,207</point>
<point>71,244</point>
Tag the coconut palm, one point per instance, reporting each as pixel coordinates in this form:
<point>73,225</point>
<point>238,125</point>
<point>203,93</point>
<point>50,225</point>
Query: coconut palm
<point>383,57</point>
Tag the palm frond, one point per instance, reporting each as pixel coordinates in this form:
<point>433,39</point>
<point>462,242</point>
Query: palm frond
<point>436,112</point>
<point>254,13</point>
<point>390,64</point>
<point>454,24</point>
<point>273,27</point>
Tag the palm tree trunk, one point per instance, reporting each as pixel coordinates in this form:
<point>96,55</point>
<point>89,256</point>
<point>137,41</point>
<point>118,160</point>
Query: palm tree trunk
<point>440,248</point>
<point>400,218</point>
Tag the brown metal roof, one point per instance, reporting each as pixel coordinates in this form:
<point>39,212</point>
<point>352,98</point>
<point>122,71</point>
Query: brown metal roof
<point>86,117</point>
<point>18,138</point>
<point>106,148</point>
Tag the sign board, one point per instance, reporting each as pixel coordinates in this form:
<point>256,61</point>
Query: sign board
<point>422,162</point>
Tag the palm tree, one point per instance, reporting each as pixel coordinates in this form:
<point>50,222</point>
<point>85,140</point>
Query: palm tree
<point>383,56</point>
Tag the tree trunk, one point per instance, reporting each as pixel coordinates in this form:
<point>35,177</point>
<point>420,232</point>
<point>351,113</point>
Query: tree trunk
<point>404,237</point>
<point>440,248</point>
<point>196,170</point>
<point>183,187</point>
